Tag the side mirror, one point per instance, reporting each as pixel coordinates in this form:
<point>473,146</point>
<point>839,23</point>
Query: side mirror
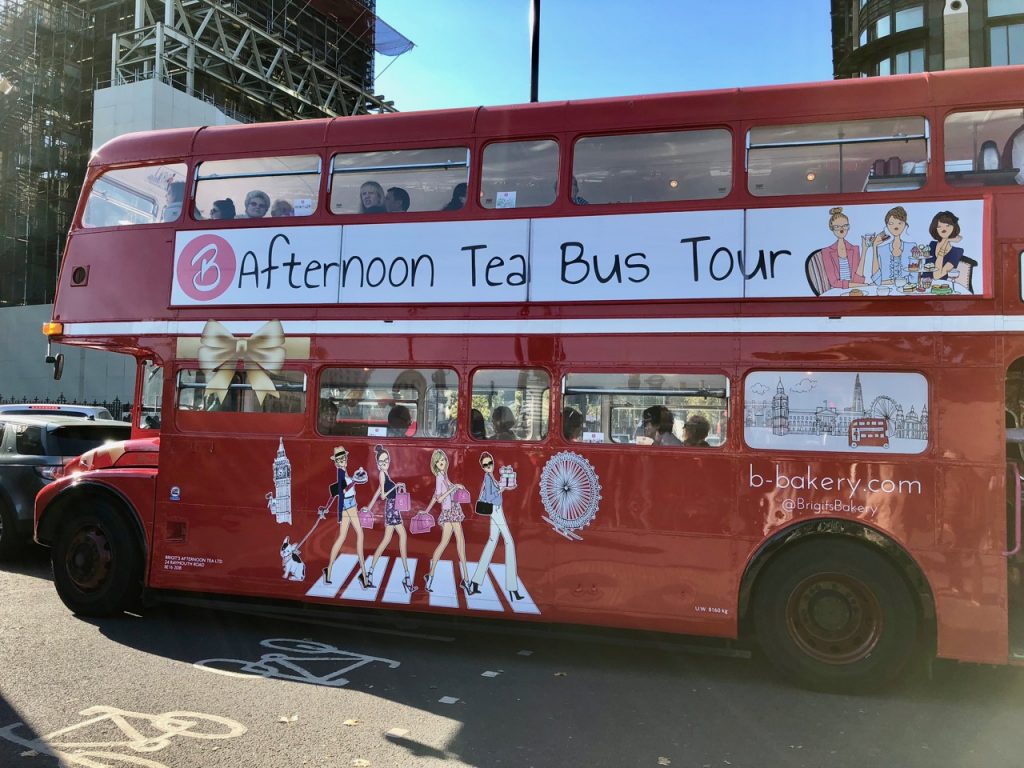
<point>57,361</point>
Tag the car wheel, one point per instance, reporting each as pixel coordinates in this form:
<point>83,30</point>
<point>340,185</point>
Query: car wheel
<point>835,615</point>
<point>10,540</point>
<point>97,562</point>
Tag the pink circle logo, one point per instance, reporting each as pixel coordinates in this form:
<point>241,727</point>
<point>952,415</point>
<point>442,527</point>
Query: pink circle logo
<point>206,267</point>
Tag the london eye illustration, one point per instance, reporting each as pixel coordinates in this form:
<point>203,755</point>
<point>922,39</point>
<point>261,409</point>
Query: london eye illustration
<point>884,407</point>
<point>570,492</point>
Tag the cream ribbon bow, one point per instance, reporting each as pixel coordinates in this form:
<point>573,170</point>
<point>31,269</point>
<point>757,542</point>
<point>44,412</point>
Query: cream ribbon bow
<point>220,353</point>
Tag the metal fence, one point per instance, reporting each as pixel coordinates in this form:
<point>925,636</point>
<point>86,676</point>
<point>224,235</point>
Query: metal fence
<point>118,410</point>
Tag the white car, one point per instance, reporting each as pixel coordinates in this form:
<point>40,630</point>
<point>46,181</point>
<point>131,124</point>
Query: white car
<point>56,409</point>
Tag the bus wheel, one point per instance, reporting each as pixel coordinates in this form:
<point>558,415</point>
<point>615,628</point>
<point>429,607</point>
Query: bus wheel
<point>835,615</point>
<point>97,563</point>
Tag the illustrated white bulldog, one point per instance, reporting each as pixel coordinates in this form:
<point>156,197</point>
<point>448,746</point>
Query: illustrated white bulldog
<point>294,568</point>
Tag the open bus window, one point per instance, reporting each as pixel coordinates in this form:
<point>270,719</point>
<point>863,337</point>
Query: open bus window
<point>258,187</point>
<point>127,196</point>
<point>984,148</point>
<point>878,155</point>
<point>510,404</point>
<point>152,395</point>
<point>519,174</point>
<point>652,167</point>
<point>399,181</point>
<point>388,402</point>
<point>256,391</point>
<point>615,407</point>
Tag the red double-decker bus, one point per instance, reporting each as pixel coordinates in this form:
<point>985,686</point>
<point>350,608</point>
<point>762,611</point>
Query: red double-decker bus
<point>591,362</point>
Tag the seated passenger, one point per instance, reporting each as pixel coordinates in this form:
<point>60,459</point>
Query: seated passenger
<point>175,197</point>
<point>327,419</point>
<point>222,209</point>
<point>502,419</point>
<point>371,198</point>
<point>396,200</point>
<point>572,424</point>
<point>695,430</point>
<point>458,198</point>
<point>399,421</point>
<point>282,208</point>
<point>576,193</point>
<point>257,203</point>
<point>657,426</point>
<point>477,425</point>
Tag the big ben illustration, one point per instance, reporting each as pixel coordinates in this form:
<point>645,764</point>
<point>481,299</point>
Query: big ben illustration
<point>280,501</point>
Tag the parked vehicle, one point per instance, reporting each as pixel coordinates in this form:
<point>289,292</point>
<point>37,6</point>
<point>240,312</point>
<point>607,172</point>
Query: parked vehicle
<point>62,409</point>
<point>33,451</point>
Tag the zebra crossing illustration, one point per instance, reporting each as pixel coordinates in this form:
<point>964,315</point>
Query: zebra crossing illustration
<point>445,591</point>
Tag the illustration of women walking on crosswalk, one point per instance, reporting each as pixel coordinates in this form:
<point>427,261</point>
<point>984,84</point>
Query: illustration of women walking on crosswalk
<point>344,490</point>
<point>395,498</point>
<point>490,505</point>
<point>449,495</point>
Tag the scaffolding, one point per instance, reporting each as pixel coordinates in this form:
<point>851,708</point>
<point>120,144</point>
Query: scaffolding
<point>255,61</point>
<point>280,59</point>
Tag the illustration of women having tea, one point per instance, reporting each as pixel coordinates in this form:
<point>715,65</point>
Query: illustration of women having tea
<point>450,519</point>
<point>945,230</point>
<point>888,248</point>
<point>344,490</point>
<point>387,490</point>
<point>842,259</point>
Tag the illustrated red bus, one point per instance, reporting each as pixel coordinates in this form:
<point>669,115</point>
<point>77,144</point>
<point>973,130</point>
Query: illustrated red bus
<point>869,431</point>
<point>631,338</point>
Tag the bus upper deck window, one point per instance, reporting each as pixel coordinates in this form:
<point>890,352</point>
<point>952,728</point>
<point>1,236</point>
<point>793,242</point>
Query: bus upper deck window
<point>652,167</point>
<point>257,187</point>
<point>145,195</point>
<point>984,148</point>
<point>519,174</point>
<point>886,154</point>
<point>400,181</point>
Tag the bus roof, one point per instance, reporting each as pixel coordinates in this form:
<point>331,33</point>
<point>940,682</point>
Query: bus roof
<point>877,95</point>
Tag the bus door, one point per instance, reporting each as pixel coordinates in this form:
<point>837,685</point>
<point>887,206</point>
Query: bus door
<point>233,485</point>
<point>646,520</point>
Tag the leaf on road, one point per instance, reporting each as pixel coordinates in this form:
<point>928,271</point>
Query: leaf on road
<point>561,674</point>
<point>360,762</point>
<point>292,718</point>
<point>664,761</point>
<point>351,721</point>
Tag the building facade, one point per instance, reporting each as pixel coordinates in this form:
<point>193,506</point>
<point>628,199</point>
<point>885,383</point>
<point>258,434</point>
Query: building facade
<point>893,37</point>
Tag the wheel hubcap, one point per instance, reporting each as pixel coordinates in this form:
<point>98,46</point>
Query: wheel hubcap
<point>88,558</point>
<point>834,618</point>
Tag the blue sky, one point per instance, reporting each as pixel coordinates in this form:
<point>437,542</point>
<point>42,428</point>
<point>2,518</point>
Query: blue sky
<point>474,52</point>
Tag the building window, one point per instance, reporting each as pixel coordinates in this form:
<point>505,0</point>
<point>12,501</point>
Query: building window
<point>910,18</point>
<point>1006,45</point>
<point>1004,7</point>
<point>882,27</point>
<point>909,62</point>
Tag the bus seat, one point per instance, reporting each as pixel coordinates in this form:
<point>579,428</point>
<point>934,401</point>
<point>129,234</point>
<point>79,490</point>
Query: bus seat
<point>814,267</point>
<point>1013,154</point>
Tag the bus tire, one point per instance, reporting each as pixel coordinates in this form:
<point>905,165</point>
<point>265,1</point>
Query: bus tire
<point>835,615</point>
<point>97,562</point>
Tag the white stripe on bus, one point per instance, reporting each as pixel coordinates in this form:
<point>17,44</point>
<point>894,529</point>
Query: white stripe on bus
<point>575,326</point>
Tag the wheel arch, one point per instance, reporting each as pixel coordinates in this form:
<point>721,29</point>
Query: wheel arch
<point>807,531</point>
<point>84,493</point>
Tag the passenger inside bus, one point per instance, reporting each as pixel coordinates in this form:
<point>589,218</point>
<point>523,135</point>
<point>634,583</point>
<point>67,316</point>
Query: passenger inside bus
<point>572,424</point>
<point>371,198</point>
<point>396,200</point>
<point>458,199</point>
<point>257,203</point>
<point>399,421</point>
<point>657,422</point>
<point>282,208</point>
<point>502,419</point>
<point>175,197</point>
<point>477,425</point>
<point>223,209</point>
<point>327,423</point>
<point>695,431</point>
